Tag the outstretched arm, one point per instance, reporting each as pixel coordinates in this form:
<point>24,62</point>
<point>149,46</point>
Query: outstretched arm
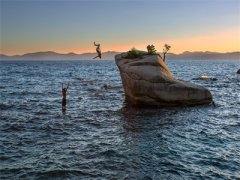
<point>96,44</point>
<point>67,86</point>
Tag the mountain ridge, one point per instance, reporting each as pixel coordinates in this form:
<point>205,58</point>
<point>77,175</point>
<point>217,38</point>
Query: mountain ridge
<point>109,55</point>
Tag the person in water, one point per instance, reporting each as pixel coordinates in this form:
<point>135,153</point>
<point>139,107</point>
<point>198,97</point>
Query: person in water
<point>64,95</point>
<point>98,51</point>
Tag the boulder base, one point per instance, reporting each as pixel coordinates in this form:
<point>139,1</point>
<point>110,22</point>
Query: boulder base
<point>147,81</point>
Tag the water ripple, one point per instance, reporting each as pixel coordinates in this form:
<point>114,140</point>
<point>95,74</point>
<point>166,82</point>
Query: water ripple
<point>100,137</point>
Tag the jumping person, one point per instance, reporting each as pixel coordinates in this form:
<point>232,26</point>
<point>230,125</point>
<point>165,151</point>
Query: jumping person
<point>64,95</point>
<point>98,51</point>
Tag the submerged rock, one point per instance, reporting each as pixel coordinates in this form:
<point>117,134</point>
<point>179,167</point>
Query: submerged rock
<point>148,81</point>
<point>206,78</point>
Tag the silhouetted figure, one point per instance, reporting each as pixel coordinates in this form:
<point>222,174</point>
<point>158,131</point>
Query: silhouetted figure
<point>98,51</point>
<point>64,97</point>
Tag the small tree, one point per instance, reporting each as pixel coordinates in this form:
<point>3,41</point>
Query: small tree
<point>165,50</point>
<point>151,49</point>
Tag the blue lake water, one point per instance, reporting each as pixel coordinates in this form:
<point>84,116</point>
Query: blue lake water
<point>99,137</point>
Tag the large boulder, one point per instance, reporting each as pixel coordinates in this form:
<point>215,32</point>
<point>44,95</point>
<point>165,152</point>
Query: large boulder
<point>147,81</point>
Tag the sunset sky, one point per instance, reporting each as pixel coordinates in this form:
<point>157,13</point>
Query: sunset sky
<point>72,26</point>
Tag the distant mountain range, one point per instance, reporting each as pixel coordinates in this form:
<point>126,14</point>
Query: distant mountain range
<point>50,55</point>
<point>199,55</point>
<point>109,55</point>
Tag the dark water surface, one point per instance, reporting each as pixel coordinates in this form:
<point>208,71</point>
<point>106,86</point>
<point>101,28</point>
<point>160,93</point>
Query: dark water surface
<point>98,137</point>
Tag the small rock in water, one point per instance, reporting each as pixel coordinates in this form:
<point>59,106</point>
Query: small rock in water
<point>204,77</point>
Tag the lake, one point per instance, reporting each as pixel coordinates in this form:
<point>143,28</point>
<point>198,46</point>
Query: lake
<point>100,137</point>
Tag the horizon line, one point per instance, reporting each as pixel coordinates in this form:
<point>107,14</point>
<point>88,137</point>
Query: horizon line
<point>111,51</point>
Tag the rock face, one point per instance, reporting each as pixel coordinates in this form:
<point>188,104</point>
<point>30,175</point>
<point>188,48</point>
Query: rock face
<point>147,81</point>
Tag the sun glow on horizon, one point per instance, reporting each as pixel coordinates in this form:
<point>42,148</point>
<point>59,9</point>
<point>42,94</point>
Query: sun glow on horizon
<point>70,26</point>
<point>224,41</point>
